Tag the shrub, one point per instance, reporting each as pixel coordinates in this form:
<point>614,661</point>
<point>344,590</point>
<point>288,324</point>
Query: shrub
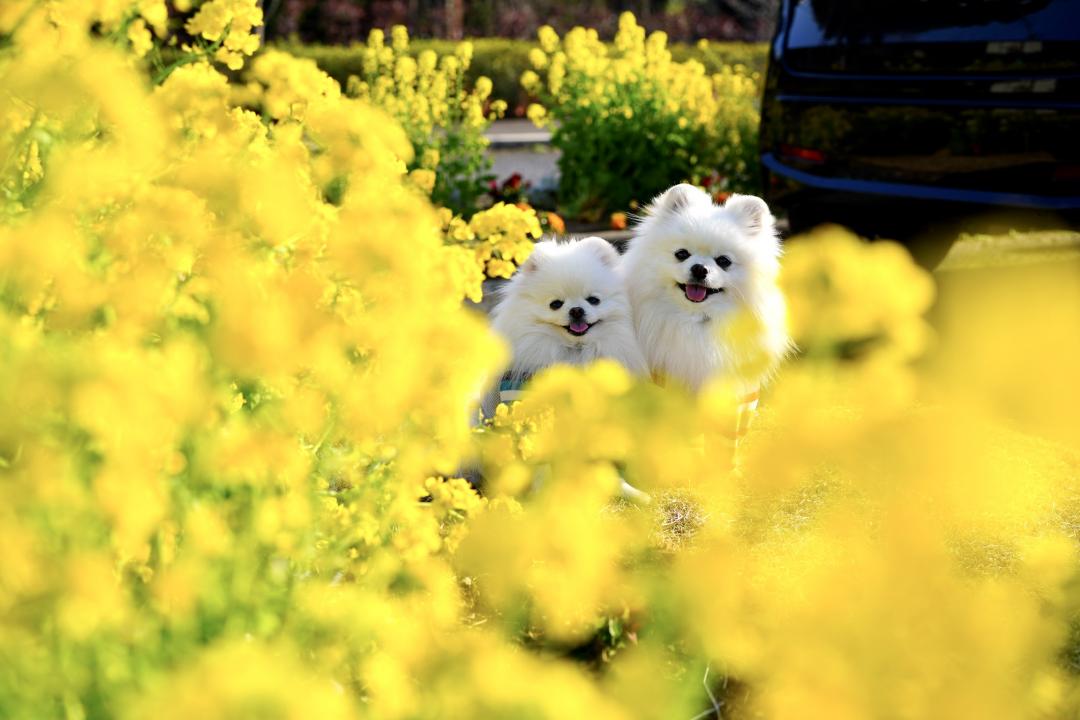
<point>445,120</point>
<point>715,56</point>
<point>631,121</point>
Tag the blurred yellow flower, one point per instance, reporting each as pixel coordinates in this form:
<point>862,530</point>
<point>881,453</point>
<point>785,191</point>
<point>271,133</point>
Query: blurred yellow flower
<point>139,35</point>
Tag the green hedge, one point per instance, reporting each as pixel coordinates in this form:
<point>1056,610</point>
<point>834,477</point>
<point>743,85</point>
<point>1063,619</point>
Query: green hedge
<point>504,60</point>
<point>715,55</point>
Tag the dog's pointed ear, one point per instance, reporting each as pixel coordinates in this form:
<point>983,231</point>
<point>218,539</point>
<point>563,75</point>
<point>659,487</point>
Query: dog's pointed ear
<point>538,256</point>
<point>678,197</point>
<point>602,249</point>
<point>751,213</point>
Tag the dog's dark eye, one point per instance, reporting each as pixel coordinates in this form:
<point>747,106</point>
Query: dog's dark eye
<point>681,255</point>
<point>592,300</point>
<point>724,262</point>
<point>555,304</point>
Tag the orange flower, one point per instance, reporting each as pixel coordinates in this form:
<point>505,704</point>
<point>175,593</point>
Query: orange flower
<point>556,223</point>
<point>618,221</point>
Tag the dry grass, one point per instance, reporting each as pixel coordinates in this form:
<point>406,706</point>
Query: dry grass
<point>679,515</point>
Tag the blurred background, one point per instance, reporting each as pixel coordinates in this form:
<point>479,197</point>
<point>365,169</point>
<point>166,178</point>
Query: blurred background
<point>922,122</point>
<point>345,21</point>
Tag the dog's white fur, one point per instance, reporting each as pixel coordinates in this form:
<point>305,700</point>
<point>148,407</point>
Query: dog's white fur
<point>739,331</point>
<point>570,272</point>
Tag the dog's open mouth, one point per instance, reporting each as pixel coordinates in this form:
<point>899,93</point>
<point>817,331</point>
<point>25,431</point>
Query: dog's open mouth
<point>697,293</point>
<point>578,327</point>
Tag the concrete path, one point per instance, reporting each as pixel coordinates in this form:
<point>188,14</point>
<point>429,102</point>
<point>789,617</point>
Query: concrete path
<point>539,167</point>
<point>518,146</point>
<point>516,131</point>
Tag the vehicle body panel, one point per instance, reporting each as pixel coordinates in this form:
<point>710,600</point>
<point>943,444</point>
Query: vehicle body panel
<point>903,110</point>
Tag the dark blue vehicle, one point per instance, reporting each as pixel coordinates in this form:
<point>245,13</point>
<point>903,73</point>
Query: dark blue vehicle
<point>895,116</point>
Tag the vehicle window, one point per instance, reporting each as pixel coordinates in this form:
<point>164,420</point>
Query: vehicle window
<point>963,35</point>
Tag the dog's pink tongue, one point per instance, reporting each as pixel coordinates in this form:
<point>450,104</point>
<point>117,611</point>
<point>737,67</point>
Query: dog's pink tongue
<point>695,293</point>
<point>579,326</point>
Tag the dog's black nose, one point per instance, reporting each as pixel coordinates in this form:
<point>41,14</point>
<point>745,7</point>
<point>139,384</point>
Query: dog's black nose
<point>698,272</point>
<point>577,313</point>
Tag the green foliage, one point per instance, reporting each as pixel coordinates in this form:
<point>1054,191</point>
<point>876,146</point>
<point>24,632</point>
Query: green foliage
<point>715,56</point>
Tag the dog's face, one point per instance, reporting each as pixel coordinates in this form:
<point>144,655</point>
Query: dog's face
<point>568,290</point>
<point>699,256</point>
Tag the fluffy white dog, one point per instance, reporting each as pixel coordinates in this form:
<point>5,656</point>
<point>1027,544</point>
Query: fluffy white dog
<point>702,280</point>
<point>567,304</point>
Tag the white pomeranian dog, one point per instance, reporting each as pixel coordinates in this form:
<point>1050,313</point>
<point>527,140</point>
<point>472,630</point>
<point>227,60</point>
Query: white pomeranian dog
<point>567,305</point>
<point>702,281</point>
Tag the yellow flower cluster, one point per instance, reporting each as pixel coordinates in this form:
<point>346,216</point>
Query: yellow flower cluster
<point>67,21</point>
<point>224,30</point>
<point>236,369</point>
<point>873,555</point>
<point>445,120</point>
<point>869,290</point>
<point>605,98</point>
<point>228,25</point>
<point>492,244</point>
<point>290,85</point>
<point>215,383</point>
